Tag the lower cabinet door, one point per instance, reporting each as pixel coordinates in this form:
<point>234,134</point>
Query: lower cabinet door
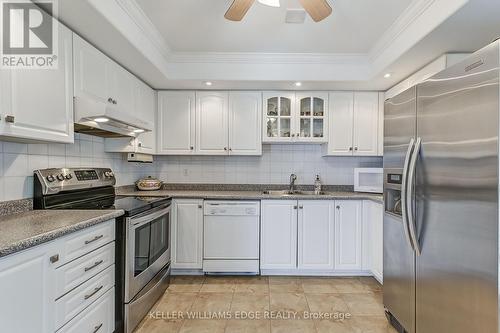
<point>377,240</point>
<point>27,291</point>
<point>278,234</point>
<point>348,235</point>
<point>187,234</point>
<point>98,318</point>
<point>316,235</point>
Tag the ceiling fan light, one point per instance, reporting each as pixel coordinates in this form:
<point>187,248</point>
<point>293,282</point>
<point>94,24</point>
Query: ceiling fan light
<point>271,3</point>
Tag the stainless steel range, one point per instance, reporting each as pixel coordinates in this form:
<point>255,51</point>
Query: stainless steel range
<point>142,234</point>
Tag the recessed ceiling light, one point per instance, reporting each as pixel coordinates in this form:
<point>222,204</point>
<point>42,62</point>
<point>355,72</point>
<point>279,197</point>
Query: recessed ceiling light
<point>208,83</point>
<point>298,84</point>
<point>101,120</point>
<point>271,3</point>
<point>138,130</point>
<point>388,75</point>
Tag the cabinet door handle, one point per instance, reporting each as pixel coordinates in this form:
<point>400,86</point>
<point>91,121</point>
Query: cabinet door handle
<point>110,100</point>
<point>301,207</point>
<point>356,148</point>
<point>200,206</point>
<point>93,239</point>
<point>293,135</point>
<point>97,263</point>
<point>225,148</point>
<point>54,258</point>
<point>97,328</point>
<point>294,207</point>
<point>338,207</point>
<point>95,291</point>
<point>192,148</point>
<point>9,119</point>
<point>115,102</point>
<point>350,148</point>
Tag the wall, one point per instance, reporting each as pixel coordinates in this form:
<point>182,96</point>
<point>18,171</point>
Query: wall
<point>273,167</point>
<point>17,162</point>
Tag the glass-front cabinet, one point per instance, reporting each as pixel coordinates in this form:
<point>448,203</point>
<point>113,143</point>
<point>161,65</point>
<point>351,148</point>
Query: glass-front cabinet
<point>295,117</point>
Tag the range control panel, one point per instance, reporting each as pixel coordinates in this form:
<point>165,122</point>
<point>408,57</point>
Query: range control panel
<point>56,180</point>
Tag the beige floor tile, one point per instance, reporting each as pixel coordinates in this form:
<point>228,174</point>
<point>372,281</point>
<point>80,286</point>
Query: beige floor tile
<point>250,302</point>
<point>334,326</point>
<point>212,302</point>
<point>218,284</point>
<point>257,285</point>
<point>248,326</point>
<point>176,302</point>
<point>318,285</point>
<point>293,326</point>
<point>370,283</point>
<point>159,326</point>
<point>284,284</point>
<point>371,324</point>
<point>289,302</point>
<point>367,304</point>
<point>349,285</point>
<point>329,303</point>
<point>186,284</point>
<point>203,326</point>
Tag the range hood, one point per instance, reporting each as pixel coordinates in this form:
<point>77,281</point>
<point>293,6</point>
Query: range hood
<point>106,120</point>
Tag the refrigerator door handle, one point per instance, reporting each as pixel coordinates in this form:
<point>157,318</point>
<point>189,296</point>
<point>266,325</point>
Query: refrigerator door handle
<point>404,200</point>
<point>409,196</point>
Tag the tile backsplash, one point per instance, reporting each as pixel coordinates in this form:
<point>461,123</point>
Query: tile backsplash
<point>17,162</point>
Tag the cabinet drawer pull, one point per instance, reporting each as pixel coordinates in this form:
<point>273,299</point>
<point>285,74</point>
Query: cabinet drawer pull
<point>97,263</point>
<point>54,258</point>
<point>97,328</point>
<point>93,239</point>
<point>96,290</point>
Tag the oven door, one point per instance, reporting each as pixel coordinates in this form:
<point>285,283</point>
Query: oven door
<point>148,248</point>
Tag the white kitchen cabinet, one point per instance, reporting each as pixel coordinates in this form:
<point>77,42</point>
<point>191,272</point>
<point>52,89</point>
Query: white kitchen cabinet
<point>176,122</point>
<point>122,89</point>
<point>354,124</point>
<point>245,123</point>
<point>316,224</point>
<point>348,235</point>
<point>145,109</point>
<point>278,234</point>
<point>28,294</point>
<point>279,111</point>
<point>187,234</point>
<point>212,123</point>
<point>341,118</point>
<point>310,123</point>
<point>37,105</point>
<point>373,226</point>
<point>366,118</point>
<point>380,138</point>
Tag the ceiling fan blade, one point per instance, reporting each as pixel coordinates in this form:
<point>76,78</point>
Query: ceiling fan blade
<point>317,9</point>
<point>238,9</point>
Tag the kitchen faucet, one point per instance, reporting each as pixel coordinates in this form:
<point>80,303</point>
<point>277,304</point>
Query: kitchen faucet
<point>293,178</point>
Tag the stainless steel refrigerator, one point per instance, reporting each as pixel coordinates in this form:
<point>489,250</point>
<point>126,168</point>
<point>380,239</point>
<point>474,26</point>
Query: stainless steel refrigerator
<point>441,233</point>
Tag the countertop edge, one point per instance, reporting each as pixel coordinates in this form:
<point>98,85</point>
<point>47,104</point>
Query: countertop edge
<point>46,237</point>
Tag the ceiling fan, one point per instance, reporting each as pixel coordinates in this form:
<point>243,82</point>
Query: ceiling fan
<point>317,9</point>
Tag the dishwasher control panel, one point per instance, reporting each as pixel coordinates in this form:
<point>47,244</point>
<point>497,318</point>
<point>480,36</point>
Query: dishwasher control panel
<point>231,208</point>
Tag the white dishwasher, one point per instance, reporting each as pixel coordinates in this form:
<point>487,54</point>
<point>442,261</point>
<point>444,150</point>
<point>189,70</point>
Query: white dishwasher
<point>231,237</point>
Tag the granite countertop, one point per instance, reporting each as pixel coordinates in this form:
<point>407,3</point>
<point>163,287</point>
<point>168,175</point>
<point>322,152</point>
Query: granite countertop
<point>248,195</point>
<point>24,230</point>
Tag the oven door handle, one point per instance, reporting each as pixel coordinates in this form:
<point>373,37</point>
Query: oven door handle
<point>138,222</point>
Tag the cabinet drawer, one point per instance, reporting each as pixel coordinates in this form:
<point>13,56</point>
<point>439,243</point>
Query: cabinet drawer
<point>98,318</point>
<point>87,240</point>
<point>80,270</point>
<point>70,305</point>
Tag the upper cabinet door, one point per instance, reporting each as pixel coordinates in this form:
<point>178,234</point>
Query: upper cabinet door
<point>145,106</point>
<point>279,110</point>
<point>341,108</point>
<point>211,123</point>
<point>176,122</point>
<point>245,123</point>
<point>311,117</point>
<point>40,102</point>
<point>93,77</point>
<point>123,89</point>
<point>366,118</point>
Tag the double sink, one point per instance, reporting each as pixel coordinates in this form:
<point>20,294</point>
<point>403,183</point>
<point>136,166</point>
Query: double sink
<point>290,193</point>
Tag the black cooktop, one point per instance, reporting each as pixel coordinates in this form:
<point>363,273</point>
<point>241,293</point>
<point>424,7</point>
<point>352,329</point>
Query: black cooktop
<point>137,205</point>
